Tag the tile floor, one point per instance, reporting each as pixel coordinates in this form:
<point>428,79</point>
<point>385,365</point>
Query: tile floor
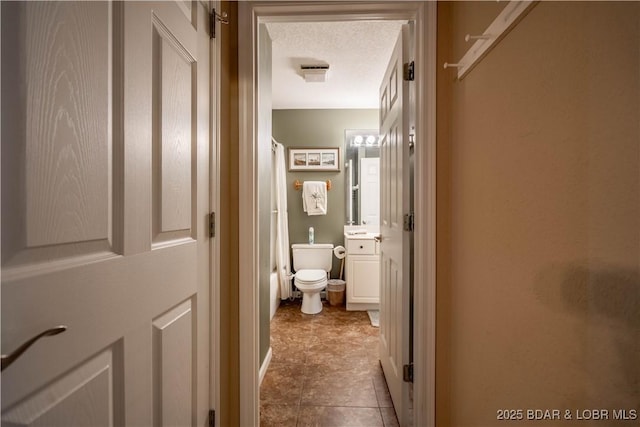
<point>324,371</point>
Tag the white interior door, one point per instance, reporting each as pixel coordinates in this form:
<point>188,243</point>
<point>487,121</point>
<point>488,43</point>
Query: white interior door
<point>370,190</point>
<point>394,277</point>
<point>105,194</point>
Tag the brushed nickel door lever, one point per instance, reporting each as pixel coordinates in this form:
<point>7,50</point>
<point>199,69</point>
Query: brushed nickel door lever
<point>8,359</point>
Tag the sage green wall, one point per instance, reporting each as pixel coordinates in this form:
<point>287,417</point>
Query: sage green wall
<point>319,128</point>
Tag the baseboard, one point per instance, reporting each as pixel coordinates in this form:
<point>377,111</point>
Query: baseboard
<point>351,306</point>
<point>265,365</point>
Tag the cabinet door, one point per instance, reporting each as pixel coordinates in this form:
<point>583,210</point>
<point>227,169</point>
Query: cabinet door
<point>364,279</point>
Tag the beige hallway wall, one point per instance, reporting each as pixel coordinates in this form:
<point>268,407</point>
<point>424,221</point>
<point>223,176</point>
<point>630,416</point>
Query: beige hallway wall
<point>538,241</point>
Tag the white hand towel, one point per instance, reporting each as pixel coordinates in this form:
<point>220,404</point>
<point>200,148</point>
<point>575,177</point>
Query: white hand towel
<point>314,197</point>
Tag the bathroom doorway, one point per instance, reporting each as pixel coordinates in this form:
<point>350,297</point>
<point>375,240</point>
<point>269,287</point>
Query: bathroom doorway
<point>252,114</point>
<point>310,115</point>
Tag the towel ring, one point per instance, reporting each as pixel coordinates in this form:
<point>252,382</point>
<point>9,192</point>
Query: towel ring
<point>298,185</point>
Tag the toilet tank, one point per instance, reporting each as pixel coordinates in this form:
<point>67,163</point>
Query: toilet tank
<point>318,256</point>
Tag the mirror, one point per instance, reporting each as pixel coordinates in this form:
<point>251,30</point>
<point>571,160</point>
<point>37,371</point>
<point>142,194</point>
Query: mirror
<point>362,168</point>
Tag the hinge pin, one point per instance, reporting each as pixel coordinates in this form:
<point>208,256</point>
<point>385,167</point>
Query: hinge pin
<point>407,373</point>
<point>409,71</point>
<point>409,222</point>
<point>212,224</point>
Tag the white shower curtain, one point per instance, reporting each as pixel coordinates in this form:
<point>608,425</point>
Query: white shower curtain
<point>282,224</point>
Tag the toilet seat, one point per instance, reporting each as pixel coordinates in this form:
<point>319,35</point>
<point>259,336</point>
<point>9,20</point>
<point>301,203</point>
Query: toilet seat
<point>310,277</point>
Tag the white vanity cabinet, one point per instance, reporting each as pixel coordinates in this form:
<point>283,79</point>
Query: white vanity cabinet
<point>362,272</point>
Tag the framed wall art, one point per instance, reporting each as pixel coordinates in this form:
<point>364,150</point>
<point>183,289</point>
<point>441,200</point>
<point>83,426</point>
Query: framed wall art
<point>314,159</point>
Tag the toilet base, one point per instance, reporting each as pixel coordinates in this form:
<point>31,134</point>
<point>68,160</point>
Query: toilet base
<point>311,303</point>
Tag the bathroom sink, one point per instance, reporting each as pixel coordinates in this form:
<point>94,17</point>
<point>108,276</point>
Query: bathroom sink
<point>360,235</point>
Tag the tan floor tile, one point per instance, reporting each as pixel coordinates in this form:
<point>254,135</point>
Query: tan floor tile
<point>353,389</point>
<point>384,398</point>
<point>282,384</point>
<point>355,366</point>
<point>343,359</point>
<point>389,417</point>
<point>278,415</point>
<point>322,416</point>
<point>289,348</point>
<point>325,371</point>
<point>379,381</point>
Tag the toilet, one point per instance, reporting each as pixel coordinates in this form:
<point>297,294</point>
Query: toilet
<point>312,264</point>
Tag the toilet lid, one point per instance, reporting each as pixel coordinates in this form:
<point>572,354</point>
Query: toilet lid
<point>310,275</point>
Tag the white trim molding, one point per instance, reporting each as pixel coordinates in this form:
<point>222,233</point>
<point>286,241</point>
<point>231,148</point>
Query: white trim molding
<point>248,219</point>
<point>425,224</point>
<point>423,14</point>
<point>265,365</point>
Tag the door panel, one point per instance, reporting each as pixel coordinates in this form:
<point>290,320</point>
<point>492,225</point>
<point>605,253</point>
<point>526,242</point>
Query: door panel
<point>174,74</point>
<point>83,397</point>
<point>175,87</point>
<point>67,141</point>
<point>394,282</point>
<point>56,194</point>
<point>105,176</point>
<point>172,344</point>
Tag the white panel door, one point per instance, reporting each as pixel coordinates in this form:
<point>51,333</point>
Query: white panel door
<point>105,194</point>
<point>370,190</point>
<point>394,255</point>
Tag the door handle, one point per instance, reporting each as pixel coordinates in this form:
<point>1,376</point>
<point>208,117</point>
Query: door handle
<point>8,359</point>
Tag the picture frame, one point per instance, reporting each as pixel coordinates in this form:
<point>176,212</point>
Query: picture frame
<point>314,159</point>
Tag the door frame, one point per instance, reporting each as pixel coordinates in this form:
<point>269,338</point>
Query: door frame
<point>214,206</point>
<point>423,13</point>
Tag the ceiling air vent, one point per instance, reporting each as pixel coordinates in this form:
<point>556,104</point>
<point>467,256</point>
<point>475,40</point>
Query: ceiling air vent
<point>315,73</point>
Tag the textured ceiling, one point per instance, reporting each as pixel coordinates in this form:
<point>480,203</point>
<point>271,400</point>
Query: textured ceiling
<point>356,52</point>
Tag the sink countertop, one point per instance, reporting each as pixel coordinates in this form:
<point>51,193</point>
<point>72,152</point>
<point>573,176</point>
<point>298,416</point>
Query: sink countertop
<point>361,236</point>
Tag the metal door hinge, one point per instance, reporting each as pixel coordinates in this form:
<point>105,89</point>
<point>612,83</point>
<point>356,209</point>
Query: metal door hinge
<point>409,71</point>
<point>212,418</point>
<point>409,222</point>
<point>407,373</point>
<point>212,24</point>
<point>213,17</point>
<point>212,224</point>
